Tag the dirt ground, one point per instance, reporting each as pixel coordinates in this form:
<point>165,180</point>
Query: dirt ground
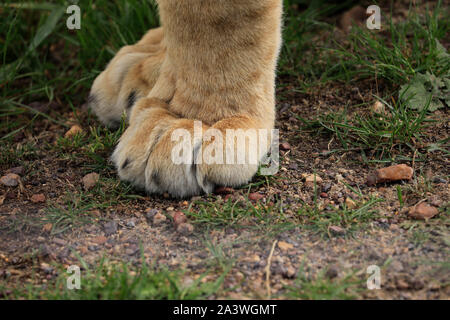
<point>264,260</point>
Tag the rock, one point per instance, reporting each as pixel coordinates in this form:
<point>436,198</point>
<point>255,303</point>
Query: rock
<point>284,246</point>
<point>159,218</point>
<point>402,284</point>
<point>131,223</point>
<point>90,180</point>
<point>150,213</point>
<point>324,195</point>
<point>285,146</point>
<point>396,266</point>
<point>356,15</point>
<point>74,130</point>
<point>350,203</point>
<point>332,272</point>
<point>99,240</point>
<point>179,218</point>
<point>131,251</point>
<point>290,273</point>
<point>223,190</point>
<point>336,230</point>
<point>255,196</point>
<point>17,170</point>
<point>38,198</point>
<point>378,107</point>
<point>110,228</point>
<point>47,227</point>
<point>326,187</point>
<point>10,180</point>
<point>435,201</point>
<point>46,268</point>
<point>59,242</point>
<point>309,180</point>
<point>255,258</point>
<point>423,211</point>
<point>185,229</point>
<point>439,180</point>
<point>389,174</point>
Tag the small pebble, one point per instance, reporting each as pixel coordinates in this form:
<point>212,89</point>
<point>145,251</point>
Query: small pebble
<point>110,228</point>
<point>185,229</point>
<point>423,211</point>
<point>337,230</point>
<point>90,180</point>
<point>74,130</point>
<point>285,146</point>
<point>179,218</point>
<point>38,198</point>
<point>10,180</point>
<point>131,223</point>
<point>99,240</point>
<point>255,196</point>
<point>159,218</point>
<point>150,213</point>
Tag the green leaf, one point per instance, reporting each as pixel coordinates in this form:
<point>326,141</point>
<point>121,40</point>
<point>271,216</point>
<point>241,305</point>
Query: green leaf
<point>441,52</point>
<point>47,28</point>
<point>426,87</point>
<point>41,34</point>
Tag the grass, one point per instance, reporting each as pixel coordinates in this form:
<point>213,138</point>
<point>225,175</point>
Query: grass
<point>92,148</point>
<point>350,220</point>
<point>43,61</point>
<point>300,49</point>
<point>119,281</point>
<point>77,208</point>
<point>320,287</point>
<point>271,219</point>
<point>400,51</point>
<point>394,55</point>
<point>386,136</point>
<point>391,57</point>
<point>268,219</point>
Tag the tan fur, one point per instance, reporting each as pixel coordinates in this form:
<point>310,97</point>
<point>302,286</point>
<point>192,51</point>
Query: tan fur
<point>213,61</point>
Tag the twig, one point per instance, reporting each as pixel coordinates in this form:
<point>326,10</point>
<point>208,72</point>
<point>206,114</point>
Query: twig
<point>269,263</point>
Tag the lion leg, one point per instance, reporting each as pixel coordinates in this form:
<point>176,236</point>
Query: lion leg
<point>130,75</point>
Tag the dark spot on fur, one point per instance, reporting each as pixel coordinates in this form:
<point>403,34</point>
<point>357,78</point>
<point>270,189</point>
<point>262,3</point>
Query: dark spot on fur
<point>156,179</point>
<point>125,164</point>
<point>92,101</point>
<point>131,99</point>
<point>156,141</point>
<point>195,153</point>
